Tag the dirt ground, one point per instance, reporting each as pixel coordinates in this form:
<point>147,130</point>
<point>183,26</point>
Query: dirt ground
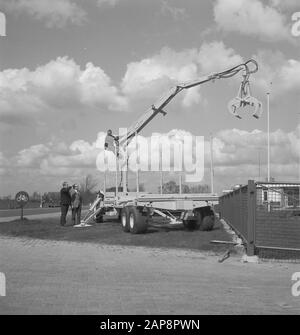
<point>51,269</point>
<point>62,277</point>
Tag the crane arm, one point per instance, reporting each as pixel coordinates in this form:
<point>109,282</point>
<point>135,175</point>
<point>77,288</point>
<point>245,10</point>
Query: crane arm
<point>243,98</point>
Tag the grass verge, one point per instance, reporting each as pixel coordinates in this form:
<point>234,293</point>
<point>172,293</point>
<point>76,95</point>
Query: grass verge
<point>110,232</point>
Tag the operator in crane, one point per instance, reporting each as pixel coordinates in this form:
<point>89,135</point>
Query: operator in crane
<point>111,142</point>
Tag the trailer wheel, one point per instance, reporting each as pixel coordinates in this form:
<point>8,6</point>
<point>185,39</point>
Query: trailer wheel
<point>119,211</point>
<point>199,218</point>
<point>190,224</point>
<point>194,223</point>
<point>99,218</point>
<point>137,222</point>
<point>125,219</point>
<point>207,223</point>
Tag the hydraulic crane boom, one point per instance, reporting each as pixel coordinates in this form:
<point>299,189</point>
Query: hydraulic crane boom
<point>243,99</point>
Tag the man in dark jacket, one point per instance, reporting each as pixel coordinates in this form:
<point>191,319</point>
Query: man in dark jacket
<point>65,202</point>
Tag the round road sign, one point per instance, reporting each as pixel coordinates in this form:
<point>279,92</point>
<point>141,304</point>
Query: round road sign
<point>22,198</point>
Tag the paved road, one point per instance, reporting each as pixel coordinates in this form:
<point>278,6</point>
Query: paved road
<point>46,277</point>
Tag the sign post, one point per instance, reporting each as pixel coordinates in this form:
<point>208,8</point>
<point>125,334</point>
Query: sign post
<point>22,199</point>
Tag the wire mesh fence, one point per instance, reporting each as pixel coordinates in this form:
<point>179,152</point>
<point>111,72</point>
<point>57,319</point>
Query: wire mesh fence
<point>278,196</point>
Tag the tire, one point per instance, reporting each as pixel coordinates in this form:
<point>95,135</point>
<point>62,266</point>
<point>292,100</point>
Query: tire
<point>99,218</point>
<point>125,219</point>
<point>190,225</point>
<point>195,223</point>
<point>119,211</point>
<point>207,223</point>
<point>138,223</point>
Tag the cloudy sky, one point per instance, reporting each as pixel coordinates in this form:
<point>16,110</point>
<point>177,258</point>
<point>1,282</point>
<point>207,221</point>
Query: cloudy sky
<point>70,70</point>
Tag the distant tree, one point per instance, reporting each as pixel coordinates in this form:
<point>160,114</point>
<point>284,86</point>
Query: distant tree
<point>141,188</point>
<point>36,197</point>
<point>170,187</point>
<point>200,189</point>
<point>113,189</point>
<point>88,184</point>
<point>46,197</point>
<point>51,197</point>
<point>6,202</point>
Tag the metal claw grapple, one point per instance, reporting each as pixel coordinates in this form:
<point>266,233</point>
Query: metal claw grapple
<point>243,99</point>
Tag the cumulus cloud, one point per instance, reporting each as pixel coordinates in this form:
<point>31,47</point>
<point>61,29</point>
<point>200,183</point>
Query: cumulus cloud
<point>236,147</point>
<point>251,18</point>
<point>175,12</point>
<point>151,76</point>
<point>277,73</point>
<point>236,156</point>
<point>59,84</point>
<point>240,155</point>
<point>62,85</point>
<point>96,88</point>
<point>287,4</point>
<point>215,56</point>
<point>107,2</point>
<point>55,13</point>
<point>162,69</point>
<point>47,157</point>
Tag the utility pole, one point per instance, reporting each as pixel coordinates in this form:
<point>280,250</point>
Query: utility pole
<point>160,169</point>
<point>259,164</point>
<point>117,172</point>
<point>268,134</point>
<point>137,165</point>
<point>268,129</point>
<point>298,129</point>
<point>181,168</point>
<point>211,165</point>
<point>104,182</point>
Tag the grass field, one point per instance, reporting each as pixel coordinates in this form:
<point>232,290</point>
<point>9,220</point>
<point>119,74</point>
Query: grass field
<point>110,232</point>
<point>27,211</point>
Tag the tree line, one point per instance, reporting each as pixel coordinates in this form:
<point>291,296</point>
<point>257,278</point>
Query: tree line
<point>89,191</point>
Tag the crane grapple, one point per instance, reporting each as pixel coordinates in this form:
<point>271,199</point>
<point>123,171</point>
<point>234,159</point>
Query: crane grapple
<point>243,99</point>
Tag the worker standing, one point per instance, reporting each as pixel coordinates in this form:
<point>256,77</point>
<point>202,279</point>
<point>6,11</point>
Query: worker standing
<point>111,142</point>
<point>65,202</point>
<point>76,204</point>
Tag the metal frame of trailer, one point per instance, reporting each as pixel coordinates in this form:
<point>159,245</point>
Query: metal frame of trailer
<point>137,211</point>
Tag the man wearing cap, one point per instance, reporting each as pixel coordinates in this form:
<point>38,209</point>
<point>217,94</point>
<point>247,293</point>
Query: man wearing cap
<point>76,204</point>
<point>65,202</point>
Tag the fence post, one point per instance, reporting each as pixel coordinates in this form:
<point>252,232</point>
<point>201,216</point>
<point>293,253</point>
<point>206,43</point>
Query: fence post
<point>251,218</point>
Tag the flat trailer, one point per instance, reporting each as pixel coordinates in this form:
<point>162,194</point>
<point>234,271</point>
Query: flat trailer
<point>137,211</point>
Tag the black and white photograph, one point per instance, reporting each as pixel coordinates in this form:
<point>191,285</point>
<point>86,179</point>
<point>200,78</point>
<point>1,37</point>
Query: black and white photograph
<point>149,160</point>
